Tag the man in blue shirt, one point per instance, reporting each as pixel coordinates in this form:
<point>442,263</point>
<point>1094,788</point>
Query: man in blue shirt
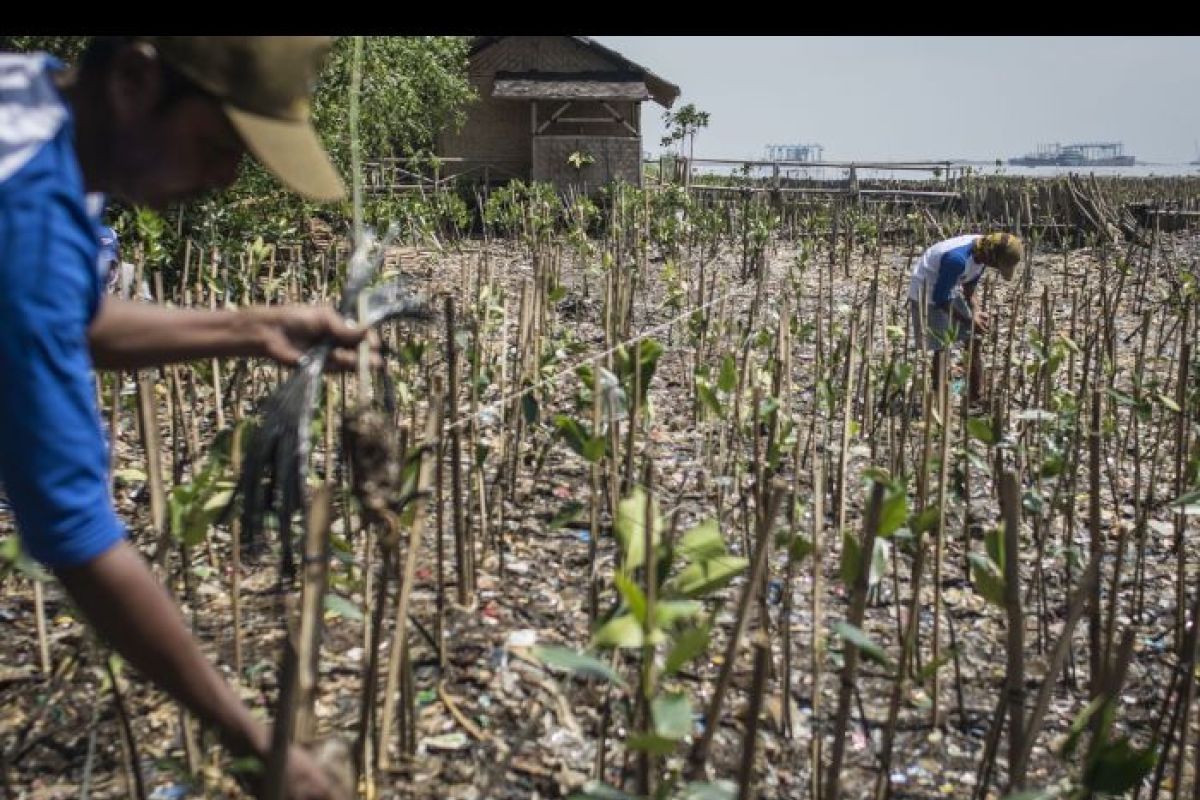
<point>943,303</point>
<point>153,120</point>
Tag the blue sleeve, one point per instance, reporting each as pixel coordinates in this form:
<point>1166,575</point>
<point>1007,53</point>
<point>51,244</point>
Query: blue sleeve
<point>53,457</point>
<point>951,268</point>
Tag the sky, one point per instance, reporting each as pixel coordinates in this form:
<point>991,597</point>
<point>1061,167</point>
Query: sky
<point>897,98</point>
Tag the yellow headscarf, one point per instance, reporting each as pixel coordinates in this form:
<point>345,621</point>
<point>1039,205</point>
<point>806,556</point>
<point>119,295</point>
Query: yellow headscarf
<point>1001,249</point>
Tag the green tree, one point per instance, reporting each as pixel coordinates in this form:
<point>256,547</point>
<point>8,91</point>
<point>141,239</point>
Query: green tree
<point>412,88</point>
<point>684,124</point>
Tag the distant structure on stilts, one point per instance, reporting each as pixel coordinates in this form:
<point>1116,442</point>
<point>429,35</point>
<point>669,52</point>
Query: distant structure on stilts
<point>1084,154</point>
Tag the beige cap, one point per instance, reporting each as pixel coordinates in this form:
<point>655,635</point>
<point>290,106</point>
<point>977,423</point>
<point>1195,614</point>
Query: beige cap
<point>266,84</point>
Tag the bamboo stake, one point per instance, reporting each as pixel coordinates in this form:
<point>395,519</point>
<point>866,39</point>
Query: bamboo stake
<point>39,615</point>
<point>937,717</point>
<point>883,782</point>
<point>216,362</point>
<point>816,640</point>
<point>463,547</point>
<point>762,657</point>
<point>1181,446</point>
<point>1075,607</point>
<point>1095,546</point>
<point>698,757</point>
<point>1010,506</point>
<point>858,603</point>
<point>312,608</point>
<point>433,428</point>
<point>132,762</point>
<point>593,583</point>
<point>847,408</point>
<point>647,764</point>
<point>235,551</point>
<point>148,426</point>
<point>785,613</point>
<point>439,510</point>
<point>294,719</point>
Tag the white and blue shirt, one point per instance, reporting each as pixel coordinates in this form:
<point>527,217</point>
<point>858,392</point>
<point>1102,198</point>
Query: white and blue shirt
<point>942,270</point>
<point>53,456</point>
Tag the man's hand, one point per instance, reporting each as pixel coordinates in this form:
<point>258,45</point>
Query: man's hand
<point>286,332</point>
<point>306,780</point>
<point>982,326</point>
<point>131,610</point>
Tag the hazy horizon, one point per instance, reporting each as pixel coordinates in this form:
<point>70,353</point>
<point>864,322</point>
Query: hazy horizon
<point>896,98</point>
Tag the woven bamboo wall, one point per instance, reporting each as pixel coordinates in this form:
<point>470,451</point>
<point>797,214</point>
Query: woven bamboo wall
<point>614,158</point>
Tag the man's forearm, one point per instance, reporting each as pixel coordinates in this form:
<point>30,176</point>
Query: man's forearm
<point>975,301</point>
<point>959,307</point>
<point>129,335</point>
<point>133,613</point>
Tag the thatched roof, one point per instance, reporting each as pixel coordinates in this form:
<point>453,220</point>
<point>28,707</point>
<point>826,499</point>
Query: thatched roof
<point>661,90</point>
<point>569,86</point>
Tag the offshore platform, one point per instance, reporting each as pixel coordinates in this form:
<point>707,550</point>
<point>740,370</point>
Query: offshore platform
<point>810,153</point>
<point>1083,154</point>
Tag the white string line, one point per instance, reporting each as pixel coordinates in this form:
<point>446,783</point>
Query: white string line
<point>590,359</point>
